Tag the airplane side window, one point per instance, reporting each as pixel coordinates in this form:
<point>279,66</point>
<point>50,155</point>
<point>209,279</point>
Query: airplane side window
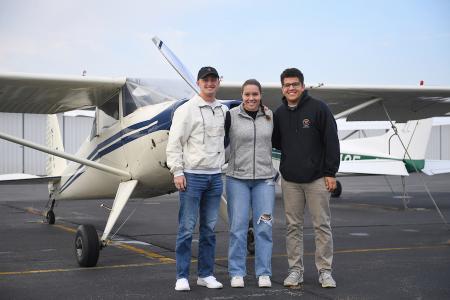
<point>128,103</point>
<point>108,113</point>
<point>93,130</point>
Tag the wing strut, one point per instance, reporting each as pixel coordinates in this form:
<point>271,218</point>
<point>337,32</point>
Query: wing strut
<point>123,194</point>
<point>356,108</point>
<point>90,163</point>
<point>415,167</point>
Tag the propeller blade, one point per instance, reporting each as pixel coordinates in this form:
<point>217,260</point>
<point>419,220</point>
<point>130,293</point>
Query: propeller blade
<point>173,60</point>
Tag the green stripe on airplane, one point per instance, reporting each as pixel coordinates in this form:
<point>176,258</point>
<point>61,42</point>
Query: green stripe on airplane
<point>410,164</point>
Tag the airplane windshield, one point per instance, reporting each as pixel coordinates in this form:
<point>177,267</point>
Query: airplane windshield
<point>142,92</point>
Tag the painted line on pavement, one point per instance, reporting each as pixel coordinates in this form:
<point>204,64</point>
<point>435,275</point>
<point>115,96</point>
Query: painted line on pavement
<point>172,261</point>
<point>29,272</point>
<point>149,254</point>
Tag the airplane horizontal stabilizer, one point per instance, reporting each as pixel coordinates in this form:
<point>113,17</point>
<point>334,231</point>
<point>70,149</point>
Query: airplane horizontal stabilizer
<point>434,167</point>
<point>373,167</point>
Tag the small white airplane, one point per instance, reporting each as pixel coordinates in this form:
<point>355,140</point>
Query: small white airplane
<point>399,151</point>
<point>124,156</point>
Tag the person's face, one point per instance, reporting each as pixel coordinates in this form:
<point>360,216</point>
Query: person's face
<point>251,96</point>
<point>208,85</point>
<point>292,89</point>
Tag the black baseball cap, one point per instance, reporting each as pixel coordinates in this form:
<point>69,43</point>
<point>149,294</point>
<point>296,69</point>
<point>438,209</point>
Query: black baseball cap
<point>205,71</point>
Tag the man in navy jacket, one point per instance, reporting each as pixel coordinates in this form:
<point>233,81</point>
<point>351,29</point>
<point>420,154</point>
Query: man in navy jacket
<point>306,134</point>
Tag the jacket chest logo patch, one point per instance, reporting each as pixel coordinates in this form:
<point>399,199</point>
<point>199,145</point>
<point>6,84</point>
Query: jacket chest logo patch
<point>306,123</point>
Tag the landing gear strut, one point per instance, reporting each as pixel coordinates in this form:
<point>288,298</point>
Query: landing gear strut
<point>50,215</point>
<point>87,245</point>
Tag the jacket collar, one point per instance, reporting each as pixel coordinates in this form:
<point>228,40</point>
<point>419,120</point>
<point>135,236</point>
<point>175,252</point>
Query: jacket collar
<point>244,113</point>
<point>303,98</point>
<point>202,103</point>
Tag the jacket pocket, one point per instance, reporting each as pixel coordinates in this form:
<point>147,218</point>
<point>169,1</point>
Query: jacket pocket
<point>243,161</point>
<point>214,139</point>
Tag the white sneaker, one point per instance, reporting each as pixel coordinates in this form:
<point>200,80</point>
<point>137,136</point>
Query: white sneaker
<point>264,281</point>
<point>237,282</point>
<point>210,282</point>
<point>327,280</point>
<point>294,278</point>
<point>182,284</point>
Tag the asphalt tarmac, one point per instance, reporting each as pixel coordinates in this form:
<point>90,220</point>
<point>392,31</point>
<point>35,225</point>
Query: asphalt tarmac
<point>381,250</point>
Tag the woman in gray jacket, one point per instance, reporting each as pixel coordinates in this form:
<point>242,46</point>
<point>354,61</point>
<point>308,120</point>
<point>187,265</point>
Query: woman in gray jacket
<point>249,184</point>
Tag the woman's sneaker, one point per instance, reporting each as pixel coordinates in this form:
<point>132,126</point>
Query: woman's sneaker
<point>294,278</point>
<point>182,284</point>
<point>237,282</point>
<point>326,280</point>
<point>264,281</point>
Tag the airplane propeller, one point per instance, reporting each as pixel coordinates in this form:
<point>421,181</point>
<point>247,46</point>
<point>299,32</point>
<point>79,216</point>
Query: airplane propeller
<point>173,60</point>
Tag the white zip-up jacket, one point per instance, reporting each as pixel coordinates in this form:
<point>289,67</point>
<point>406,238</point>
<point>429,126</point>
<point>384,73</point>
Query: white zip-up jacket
<point>196,138</point>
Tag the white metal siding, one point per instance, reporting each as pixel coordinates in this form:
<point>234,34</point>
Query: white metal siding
<point>18,159</point>
<point>445,142</point>
<point>76,130</point>
<point>10,153</point>
<point>35,131</point>
<point>434,145</point>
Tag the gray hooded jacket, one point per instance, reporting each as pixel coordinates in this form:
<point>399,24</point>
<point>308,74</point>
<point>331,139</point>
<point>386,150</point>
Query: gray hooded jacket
<point>250,145</point>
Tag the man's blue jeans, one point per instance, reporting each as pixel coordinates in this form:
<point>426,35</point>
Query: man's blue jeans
<point>202,194</point>
<point>259,196</point>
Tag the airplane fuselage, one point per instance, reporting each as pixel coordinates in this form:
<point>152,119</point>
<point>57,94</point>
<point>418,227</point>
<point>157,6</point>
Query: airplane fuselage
<point>137,144</point>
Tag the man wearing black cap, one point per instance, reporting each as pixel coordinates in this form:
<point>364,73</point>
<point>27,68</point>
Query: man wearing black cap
<point>195,156</point>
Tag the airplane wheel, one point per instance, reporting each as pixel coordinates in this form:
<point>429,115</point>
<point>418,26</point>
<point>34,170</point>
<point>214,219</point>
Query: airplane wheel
<point>251,240</point>
<point>50,217</point>
<point>338,191</point>
<point>87,246</point>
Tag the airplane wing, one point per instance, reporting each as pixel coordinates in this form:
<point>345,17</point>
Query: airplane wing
<point>402,102</point>
<point>50,94</point>
<point>373,167</point>
<point>21,178</point>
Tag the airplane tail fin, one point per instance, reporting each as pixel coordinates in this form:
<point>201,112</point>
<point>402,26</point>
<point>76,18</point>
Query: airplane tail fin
<point>55,165</point>
<point>415,136</point>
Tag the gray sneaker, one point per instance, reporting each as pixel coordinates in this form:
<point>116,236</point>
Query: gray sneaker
<point>294,278</point>
<point>326,280</point>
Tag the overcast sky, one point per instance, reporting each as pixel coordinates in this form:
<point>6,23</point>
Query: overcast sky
<point>336,42</point>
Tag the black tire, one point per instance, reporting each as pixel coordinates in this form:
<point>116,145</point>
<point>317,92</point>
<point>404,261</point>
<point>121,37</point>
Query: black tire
<point>337,191</point>
<point>251,240</point>
<point>50,217</point>
<point>86,246</point>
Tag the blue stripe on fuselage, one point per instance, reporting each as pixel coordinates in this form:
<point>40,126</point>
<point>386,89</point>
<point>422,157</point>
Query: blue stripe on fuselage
<point>164,121</point>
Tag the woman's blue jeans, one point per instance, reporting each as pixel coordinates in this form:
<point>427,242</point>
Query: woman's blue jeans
<point>245,196</point>
<point>202,194</point>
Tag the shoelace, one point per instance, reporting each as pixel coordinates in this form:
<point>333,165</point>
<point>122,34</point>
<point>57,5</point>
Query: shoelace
<point>326,276</point>
<point>294,275</point>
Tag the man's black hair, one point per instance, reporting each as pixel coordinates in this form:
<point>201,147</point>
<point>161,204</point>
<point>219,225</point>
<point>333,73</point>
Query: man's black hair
<point>292,72</point>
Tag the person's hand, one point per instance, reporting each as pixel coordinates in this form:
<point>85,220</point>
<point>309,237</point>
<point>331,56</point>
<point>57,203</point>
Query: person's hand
<point>180,182</point>
<point>330,183</point>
